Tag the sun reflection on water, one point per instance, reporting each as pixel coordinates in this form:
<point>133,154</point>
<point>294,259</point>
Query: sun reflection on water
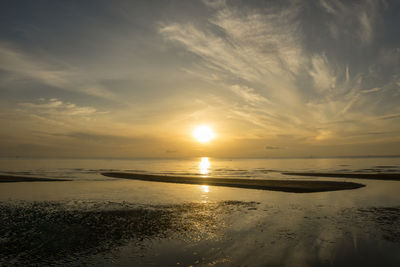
<point>204,166</point>
<point>204,192</point>
<point>205,188</point>
<point>204,169</point>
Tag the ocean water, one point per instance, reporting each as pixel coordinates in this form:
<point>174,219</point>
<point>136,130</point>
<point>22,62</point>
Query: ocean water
<point>88,183</point>
<point>90,169</point>
<point>222,226</point>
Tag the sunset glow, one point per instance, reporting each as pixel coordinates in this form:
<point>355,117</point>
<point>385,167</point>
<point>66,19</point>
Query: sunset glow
<point>205,132</point>
<point>276,81</point>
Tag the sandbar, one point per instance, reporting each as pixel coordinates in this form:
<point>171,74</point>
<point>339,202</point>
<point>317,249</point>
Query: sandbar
<point>292,186</point>
<point>374,176</point>
<point>15,179</point>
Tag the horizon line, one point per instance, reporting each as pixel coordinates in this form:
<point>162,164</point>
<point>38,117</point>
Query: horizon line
<point>192,157</point>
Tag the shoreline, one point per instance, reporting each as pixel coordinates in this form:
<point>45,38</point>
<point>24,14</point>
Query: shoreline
<point>15,179</point>
<point>370,176</point>
<point>290,186</point>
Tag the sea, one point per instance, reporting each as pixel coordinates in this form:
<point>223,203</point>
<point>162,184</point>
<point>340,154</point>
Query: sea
<point>91,169</point>
<point>223,226</point>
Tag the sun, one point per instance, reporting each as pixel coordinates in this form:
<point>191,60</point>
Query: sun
<point>203,134</point>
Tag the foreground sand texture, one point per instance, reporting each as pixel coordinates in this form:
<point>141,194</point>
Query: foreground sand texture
<point>374,176</point>
<point>15,179</point>
<point>227,233</point>
<point>58,233</point>
<point>274,185</point>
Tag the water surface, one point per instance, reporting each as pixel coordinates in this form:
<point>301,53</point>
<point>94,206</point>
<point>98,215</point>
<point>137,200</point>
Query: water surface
<point>217,226</point>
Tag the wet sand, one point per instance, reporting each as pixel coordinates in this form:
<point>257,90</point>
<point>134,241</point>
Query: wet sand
<point>374,176</point>
<point>58,233</point>
<point>227,233</point>
<point>274,185</point>
<point>15,179</point>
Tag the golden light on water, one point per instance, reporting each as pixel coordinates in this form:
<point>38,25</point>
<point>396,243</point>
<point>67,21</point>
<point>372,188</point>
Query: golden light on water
<point>205,188</point>
<point>203,134</point>
<point>204,166</point>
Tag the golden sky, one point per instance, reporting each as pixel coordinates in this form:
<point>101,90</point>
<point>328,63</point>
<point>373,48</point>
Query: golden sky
<point>134,78</point>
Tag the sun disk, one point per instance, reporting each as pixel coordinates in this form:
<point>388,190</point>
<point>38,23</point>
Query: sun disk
<point>203,134</point>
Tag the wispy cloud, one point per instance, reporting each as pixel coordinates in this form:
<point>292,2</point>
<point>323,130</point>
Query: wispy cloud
<point>321,73</point>
<point>346,14</point>
<point>366,33</point>
<point>272,147</point>
<point>56,107</point>
<point>260,56</point>
<point>249,45</point>
<point>372,90</point>
<point>249,95</point>
<point>52,74</point>
<point>390,116</point>
<point>247,48</point>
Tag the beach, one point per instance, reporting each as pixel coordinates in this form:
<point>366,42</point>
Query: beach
<point>98,220</point>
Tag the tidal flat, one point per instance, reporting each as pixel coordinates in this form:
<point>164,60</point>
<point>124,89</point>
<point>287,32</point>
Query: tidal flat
<point>61,233</point>
<point>94,220</point>
<point>203,234</point>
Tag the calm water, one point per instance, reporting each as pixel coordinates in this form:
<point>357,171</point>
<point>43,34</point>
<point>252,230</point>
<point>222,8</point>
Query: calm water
<point>89,169</point>
<point>90,184</point>
<point>340,228</point>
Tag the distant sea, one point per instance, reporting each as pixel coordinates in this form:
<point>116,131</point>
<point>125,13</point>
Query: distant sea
<point>90,169</point>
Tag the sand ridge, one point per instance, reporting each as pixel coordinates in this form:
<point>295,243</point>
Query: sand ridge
<point>292,186</point>
<point>15,179</point>
<point>372,176</point>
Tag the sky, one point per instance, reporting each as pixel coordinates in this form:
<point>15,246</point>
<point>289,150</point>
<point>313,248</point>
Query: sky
<point>132,79</point>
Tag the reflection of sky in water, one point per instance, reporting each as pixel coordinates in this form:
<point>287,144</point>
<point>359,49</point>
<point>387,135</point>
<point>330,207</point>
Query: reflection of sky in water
<point>344,227</point>
<point>205,188</point>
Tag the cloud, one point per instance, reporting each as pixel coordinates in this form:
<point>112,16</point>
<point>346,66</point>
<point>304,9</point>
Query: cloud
<point>323,135</point>
<point>272,147</point>
<point>53,74</point>
<point>389,117</point>
<point>240,48</point>
<point>372,90</point>
<point>321,73</point>
<point>98,138</point>
<point>330,7</point>
<point>355,18</point>
<point>56,107</point>
<point>52,116</point>
<point>214,3</point>
<point>248,45</point>
<point>259,55</point>
<point>248,94</point>
<point>366,33</point>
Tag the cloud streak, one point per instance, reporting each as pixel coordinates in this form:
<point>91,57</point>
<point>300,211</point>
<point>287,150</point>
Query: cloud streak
<point>55,75</point>
<point>56,107</point>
